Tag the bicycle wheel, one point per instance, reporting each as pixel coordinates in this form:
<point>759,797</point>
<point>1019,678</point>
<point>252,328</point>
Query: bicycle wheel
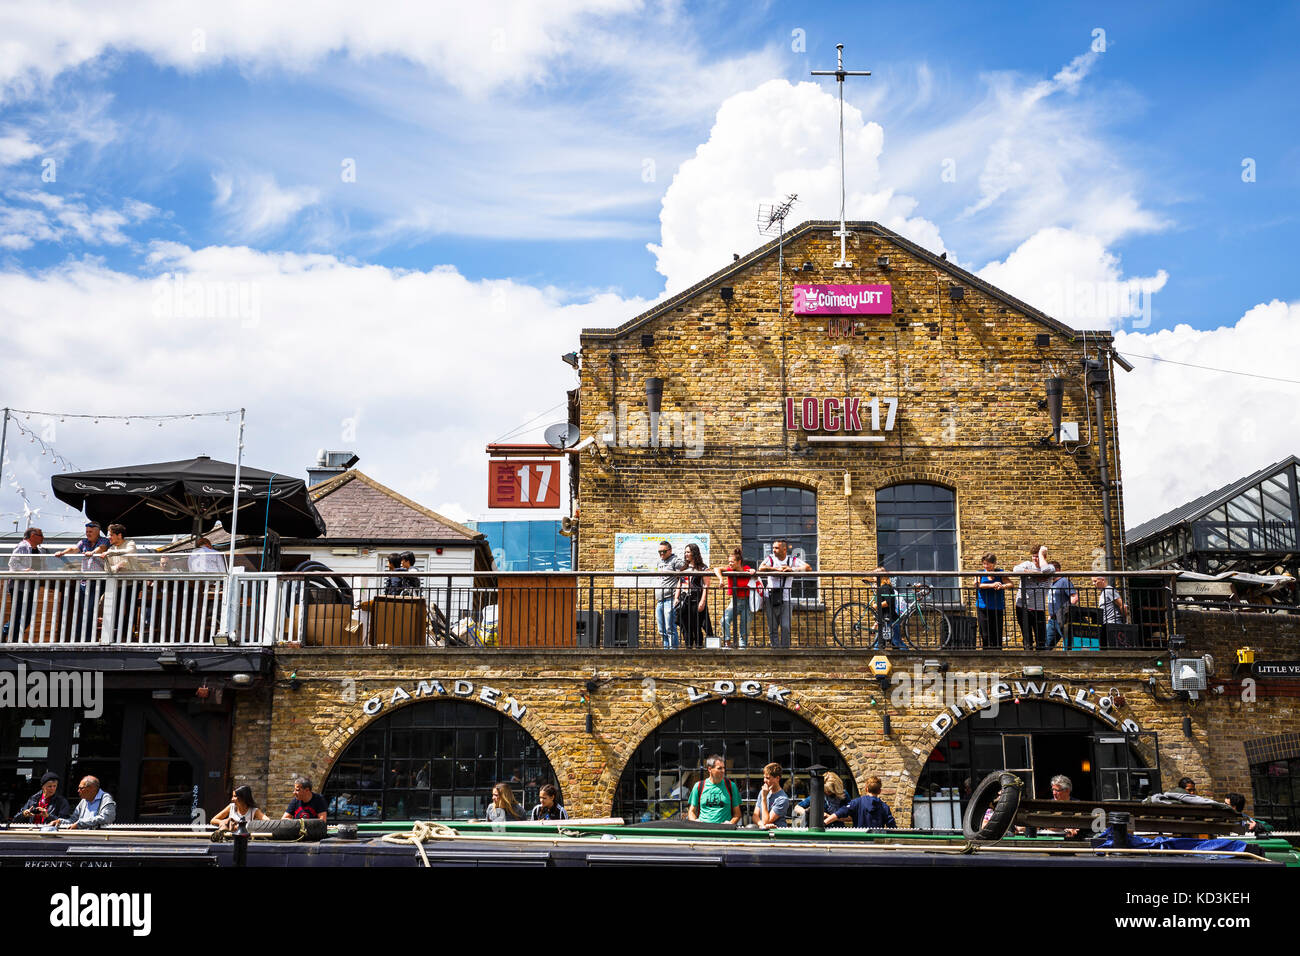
<point>854,625</point>
<point>927,626</point>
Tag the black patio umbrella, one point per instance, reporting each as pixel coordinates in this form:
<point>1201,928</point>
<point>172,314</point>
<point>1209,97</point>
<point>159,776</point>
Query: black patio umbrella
<point>190,497</point>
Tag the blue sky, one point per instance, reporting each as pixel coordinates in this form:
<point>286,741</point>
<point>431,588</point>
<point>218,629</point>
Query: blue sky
<point>514,162</point>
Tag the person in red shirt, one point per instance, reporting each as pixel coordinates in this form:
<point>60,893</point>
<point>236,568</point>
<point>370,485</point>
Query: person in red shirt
<point>738,589</point>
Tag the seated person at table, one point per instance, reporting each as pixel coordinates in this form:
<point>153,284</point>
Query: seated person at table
<point>241,809</point>
<point>549,808</point>
<point>867,811</point>
<point>46,805</point>
<point>305,804</point>
<point>834,796</point>
<point>96,809</point>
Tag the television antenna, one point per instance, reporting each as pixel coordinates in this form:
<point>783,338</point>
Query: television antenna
<point>840,73</point>
<point>771,216</point>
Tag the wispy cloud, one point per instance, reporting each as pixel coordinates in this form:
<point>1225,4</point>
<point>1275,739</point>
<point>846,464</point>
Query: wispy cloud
<point>32,216</point>
<point>254,205</point>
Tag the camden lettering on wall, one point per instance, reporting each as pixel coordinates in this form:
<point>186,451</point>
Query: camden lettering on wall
<point>973,703</point>
<point>746,688</point>
<point>435,688</point>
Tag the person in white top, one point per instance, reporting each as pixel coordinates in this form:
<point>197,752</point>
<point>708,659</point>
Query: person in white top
<point>241,809</point>
<point>780,581</point>
<point>205,559</point>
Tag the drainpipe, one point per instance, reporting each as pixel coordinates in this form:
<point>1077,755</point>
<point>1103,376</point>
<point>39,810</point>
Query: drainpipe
<point>1097,378</point>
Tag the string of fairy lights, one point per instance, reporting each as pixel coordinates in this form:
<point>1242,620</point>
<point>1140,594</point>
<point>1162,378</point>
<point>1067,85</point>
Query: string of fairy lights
<point>38,428</point>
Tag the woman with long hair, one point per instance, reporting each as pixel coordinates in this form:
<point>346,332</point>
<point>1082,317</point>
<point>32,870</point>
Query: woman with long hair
<point>242,808</point>
<point>504,808</point>
<point>738,589</point>
<point>692,595</point>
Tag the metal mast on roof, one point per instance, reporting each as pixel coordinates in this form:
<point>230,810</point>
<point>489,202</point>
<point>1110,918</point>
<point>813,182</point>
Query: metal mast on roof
<point>840,73</point>
<point>770,218</point>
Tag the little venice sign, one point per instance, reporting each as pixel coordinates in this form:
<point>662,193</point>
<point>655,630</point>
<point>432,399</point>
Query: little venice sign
<point>843,300</point>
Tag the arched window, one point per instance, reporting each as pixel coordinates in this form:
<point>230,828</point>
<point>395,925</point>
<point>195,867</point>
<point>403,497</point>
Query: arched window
<point>1036,739</point>
<point>656,784</point>
<point>435,760</point>
<point>916,530</point>
<point>779,511</point>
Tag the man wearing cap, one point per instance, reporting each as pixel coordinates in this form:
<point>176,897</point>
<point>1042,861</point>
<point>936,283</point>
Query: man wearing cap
<point>90,590</point>
<point>46,804</point>
<point>22,594</point>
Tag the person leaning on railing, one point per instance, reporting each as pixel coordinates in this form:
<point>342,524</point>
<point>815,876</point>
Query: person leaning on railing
<point>120,552</point>
<point>885,607</point>
<point>1031,597</point>
<point>780,567</point>
<point>22,594</point>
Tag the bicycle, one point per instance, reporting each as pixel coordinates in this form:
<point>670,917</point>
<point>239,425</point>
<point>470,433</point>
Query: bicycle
<point>921,624</point>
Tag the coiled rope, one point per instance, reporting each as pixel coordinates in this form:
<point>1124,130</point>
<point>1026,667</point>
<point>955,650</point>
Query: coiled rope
<point>420,832</point>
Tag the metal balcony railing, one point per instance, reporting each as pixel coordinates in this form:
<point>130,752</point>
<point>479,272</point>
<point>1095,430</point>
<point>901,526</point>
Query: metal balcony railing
<point>850,611</point>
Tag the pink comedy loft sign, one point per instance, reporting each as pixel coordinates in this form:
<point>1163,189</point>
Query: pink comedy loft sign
<point>843,300</point>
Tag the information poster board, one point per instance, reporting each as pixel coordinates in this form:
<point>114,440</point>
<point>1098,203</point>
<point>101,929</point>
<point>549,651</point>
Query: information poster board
<point>640,552</point>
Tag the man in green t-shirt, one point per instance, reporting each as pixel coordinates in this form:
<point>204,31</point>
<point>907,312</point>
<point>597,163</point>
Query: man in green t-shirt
<point>715,799</point>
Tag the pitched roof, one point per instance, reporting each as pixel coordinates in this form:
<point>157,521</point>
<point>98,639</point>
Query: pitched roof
<point>869,228</point>
<point>1197,507</point>
<point>356,507</point>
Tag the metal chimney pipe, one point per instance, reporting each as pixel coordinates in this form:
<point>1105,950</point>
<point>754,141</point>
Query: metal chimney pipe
<point>1055,393</point>
<point>816,798</point>
<point>654,399</point>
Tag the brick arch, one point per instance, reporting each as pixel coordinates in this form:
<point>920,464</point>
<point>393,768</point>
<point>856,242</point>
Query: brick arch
<point>813,481</point>
<point>347,730</point>
<point>918,474</point>
<point>653,715</point>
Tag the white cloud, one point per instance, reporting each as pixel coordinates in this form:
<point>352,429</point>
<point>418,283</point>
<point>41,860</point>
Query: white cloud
<point>475,47</point>
<point>31,216</point>
<point>1185,431</point>
<point>1074,278</point>
<point>255,205</point>
<point>766,143</point>
<point>17,147</point>
<point>427,362</point>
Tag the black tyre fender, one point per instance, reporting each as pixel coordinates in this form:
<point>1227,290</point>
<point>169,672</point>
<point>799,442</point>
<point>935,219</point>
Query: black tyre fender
<point>307,830</point>
<point>1000,790</point>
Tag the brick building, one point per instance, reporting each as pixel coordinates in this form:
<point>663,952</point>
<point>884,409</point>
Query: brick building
<point>966,363</point>
<point>917,434</point>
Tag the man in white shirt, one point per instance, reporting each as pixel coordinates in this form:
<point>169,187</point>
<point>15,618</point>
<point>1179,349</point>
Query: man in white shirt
<point>205,559</point>
<point>780,582</point>
<point>22,594</point>
<point>120,551</point>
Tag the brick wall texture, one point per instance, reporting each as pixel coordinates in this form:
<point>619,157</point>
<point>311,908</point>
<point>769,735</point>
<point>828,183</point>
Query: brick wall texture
<point>289,731</point>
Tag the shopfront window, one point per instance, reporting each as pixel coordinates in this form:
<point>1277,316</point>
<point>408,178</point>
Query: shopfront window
<point>916,530</point>
<point>435,760</point>
<point>24,755</point>
<point>97,748</point>
<point>167,787</point>
<point>1276,786</point>
<point>780,511</point>
<point>657,781</point>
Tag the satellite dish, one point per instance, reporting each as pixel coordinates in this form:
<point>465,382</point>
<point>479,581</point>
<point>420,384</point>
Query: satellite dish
<point>562,435</point>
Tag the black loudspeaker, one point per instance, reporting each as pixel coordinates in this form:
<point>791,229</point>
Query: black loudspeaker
<point>588,628</point>
<point>621,628</point>
<point>965,631</point>
<point>1122,635</point>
